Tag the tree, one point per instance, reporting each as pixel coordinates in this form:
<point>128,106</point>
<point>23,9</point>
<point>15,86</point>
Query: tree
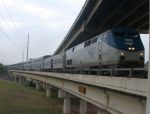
<point>2,69</point>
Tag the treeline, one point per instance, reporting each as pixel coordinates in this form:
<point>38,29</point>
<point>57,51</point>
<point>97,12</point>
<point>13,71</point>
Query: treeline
<point>2,68</point>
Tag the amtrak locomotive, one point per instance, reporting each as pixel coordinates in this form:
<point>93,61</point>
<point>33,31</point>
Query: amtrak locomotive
<point>115,48</point>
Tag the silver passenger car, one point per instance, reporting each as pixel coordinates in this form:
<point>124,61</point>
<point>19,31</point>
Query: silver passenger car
<point>47,63</point>
<point>28,65</point>
<point>57,62</point>
<point>38,63</point>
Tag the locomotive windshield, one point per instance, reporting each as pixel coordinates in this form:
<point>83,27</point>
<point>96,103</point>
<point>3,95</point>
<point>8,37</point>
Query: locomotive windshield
<point>124,40</point>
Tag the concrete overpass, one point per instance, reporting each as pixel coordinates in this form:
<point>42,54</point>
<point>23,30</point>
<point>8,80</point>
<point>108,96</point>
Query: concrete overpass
<point>98,16</point>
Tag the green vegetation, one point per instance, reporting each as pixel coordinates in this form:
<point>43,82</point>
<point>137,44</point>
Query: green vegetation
<point>17,99</point>
<point>2,69</point>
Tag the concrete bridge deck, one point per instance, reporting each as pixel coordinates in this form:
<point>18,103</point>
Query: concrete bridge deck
<point>118,95</point>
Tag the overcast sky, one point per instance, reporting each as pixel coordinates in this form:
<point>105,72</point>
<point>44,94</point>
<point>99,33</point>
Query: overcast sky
<point>47,21</point>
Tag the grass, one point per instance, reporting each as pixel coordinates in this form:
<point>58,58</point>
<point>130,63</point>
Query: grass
<point>18,99</point>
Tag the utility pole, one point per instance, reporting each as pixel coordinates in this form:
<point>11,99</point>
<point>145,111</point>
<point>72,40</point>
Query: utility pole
<point>23,55</point>
<point>27,48</point>
<point>23,50</point>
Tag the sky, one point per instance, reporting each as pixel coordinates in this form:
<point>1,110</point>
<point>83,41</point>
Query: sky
<point>47,22</point>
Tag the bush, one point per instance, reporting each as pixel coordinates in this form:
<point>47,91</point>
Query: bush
<point>2,69</point>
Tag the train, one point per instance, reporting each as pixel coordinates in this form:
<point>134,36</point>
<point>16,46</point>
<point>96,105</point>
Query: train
<point>115,48</point>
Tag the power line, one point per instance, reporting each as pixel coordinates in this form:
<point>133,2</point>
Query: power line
<point>5,21</point>
<point>18,31</point>
<point>6,36</point>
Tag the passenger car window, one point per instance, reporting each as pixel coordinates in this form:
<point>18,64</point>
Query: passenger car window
<point>69,62</point>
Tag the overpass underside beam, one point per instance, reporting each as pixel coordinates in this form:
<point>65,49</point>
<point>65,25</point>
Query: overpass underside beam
<point>144,15</point>
<point>97,4</point>
<point>113,13</point>
<point>130,13</point>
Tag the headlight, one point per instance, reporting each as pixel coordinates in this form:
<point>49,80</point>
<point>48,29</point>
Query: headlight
<point>141,54</point>
<point>122,54</point>
<point>133,49</point>
<point>129,48</point>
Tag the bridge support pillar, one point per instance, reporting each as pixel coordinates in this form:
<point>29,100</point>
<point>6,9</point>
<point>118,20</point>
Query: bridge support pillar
<point>23,80</point>
<point>20,79</point>
<point>60,93</point>
<point>83,106</point>
<point>100,111</point>
<point>63,94</point>
<point>48,91</point>
<point>66,106</point>
<point>15,78</point>
<point>37,85</point>
<point>44,86</point>
<point>67,100</point>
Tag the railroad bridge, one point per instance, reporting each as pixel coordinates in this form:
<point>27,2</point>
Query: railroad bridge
<point>117,95</point>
